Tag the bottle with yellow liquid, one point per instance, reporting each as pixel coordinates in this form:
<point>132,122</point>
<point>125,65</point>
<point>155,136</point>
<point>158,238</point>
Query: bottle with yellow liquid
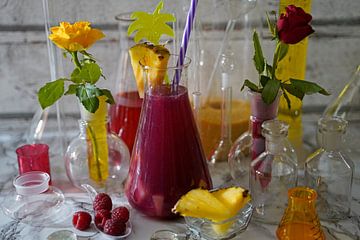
<point>97,157</point>
<point>294,66</point>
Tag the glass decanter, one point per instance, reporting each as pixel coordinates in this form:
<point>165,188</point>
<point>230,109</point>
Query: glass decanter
<point>168,159</point>
<point>125,113</point>
<point>330,171</point>
<point>300,220</point>
<point>272,173</point>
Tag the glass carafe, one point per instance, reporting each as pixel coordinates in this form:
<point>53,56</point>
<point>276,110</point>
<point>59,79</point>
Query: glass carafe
<point>300,220</point>
<point>272,173</point>
<point>168,159</point>
<point>330,171</point>
<point>125,113</point>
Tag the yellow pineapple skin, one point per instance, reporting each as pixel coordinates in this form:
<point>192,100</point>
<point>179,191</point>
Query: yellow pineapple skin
<point>154,56</point>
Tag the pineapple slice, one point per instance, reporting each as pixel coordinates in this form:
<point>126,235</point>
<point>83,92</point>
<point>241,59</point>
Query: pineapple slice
<point>201,203</point>
<point>216,206</point>
<point>234,198</point>
<point>155,56</point>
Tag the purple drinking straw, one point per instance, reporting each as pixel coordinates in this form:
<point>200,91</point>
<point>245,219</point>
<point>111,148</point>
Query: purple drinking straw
<point>185,40</point>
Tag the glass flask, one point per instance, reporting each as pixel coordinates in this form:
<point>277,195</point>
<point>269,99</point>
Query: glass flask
<point>329,171</point>
<point>244,148</point>
<point>168,159</point>
<point>125,113</point>
<point>272,174</point>
<point>346,105</point>
<point>223,32</point>
<point>34,202</point>
<point>300,220</point>
<point>99,160</point>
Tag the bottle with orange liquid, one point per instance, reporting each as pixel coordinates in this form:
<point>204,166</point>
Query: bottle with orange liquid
<point>125,113</point>
<point>300,220</point>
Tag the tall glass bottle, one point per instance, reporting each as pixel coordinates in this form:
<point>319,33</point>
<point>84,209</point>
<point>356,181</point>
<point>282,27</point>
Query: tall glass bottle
<point>330,171</point>
<point>168,159</point>
<point>125,114</point>
<point>300,220</point>
<point>272,173</point>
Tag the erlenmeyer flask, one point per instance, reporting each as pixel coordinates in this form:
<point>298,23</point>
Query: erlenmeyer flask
<point>346,105</point>
<point>125,114</point>
<point>300,220</point>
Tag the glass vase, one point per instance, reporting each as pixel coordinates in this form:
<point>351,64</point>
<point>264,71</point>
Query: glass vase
<point>300,220</point>
<point>272,173</point>
<point>251,143</point>
<point>330,171</point>
<point>98,158</point>
<point>167,159</point>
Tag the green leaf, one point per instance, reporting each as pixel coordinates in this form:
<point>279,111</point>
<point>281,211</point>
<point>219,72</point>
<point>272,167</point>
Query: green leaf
<point>283,49</point>
<point>75,76</point>
<point>286,97</point>
<point>51,92</point>
<point>88,96</point>
<point>270,90</point>
<point>109,96</point>
<point>293,90</point>
<point>249,84</point>
<point>308,87</point>
<point>71,89</point>
<point>264,80</point>
<point>258,55</point>
<point>271,25</point>
<point>90,72</point>
<point>268,70</point>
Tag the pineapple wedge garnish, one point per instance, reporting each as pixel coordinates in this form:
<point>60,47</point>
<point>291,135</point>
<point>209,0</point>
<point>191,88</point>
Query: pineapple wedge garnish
<point>155,56</point>
<point>200,203</point>
<point>216,206</point>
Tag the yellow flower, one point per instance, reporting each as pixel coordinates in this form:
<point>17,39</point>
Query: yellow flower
<point>77,37</point>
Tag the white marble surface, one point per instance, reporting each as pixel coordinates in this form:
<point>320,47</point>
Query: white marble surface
<point>143,227</point>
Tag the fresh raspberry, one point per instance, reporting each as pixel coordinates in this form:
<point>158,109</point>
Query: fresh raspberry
<point>114,227</point>
<point>81,220</point>
<point>102,201</point>
<point>100,218</point>
<point>120,214</point>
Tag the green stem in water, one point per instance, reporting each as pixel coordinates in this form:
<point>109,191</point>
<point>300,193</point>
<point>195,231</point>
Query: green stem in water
<point>95,151</point>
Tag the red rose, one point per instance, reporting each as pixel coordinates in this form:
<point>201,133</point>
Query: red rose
<point>293,26</point>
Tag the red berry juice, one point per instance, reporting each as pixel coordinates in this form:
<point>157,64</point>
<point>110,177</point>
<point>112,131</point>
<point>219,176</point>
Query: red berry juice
<point>124,116</point>
<point>168,159</point>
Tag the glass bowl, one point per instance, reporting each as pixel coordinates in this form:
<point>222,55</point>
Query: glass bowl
<point>33,201</point>
<point>226,229</point>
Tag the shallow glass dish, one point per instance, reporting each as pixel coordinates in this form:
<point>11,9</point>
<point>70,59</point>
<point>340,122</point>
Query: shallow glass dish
<point>231,227</point>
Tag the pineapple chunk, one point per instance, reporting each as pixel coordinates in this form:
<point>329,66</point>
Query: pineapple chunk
<point>201,203</point>
<point>155,56</point>
<point>234,198</point>
<point>216,206</point>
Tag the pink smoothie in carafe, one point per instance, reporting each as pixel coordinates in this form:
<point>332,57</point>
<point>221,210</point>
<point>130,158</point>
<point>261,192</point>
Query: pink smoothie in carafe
<point>168,159</point>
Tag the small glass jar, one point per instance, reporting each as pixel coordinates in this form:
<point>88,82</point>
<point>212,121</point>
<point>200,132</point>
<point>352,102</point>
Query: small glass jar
<point>82,155</point>
<point>330,171</point>
<point>272,173</point>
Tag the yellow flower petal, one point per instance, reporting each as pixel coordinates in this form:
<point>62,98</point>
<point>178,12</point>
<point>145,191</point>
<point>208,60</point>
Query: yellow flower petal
<point>75,37</point>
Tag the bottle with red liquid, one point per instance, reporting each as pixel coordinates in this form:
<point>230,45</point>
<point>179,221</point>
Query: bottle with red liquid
<point>125,114</point>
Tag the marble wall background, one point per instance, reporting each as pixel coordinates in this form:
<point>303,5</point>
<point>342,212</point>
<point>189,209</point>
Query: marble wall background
<point>333,51</point>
